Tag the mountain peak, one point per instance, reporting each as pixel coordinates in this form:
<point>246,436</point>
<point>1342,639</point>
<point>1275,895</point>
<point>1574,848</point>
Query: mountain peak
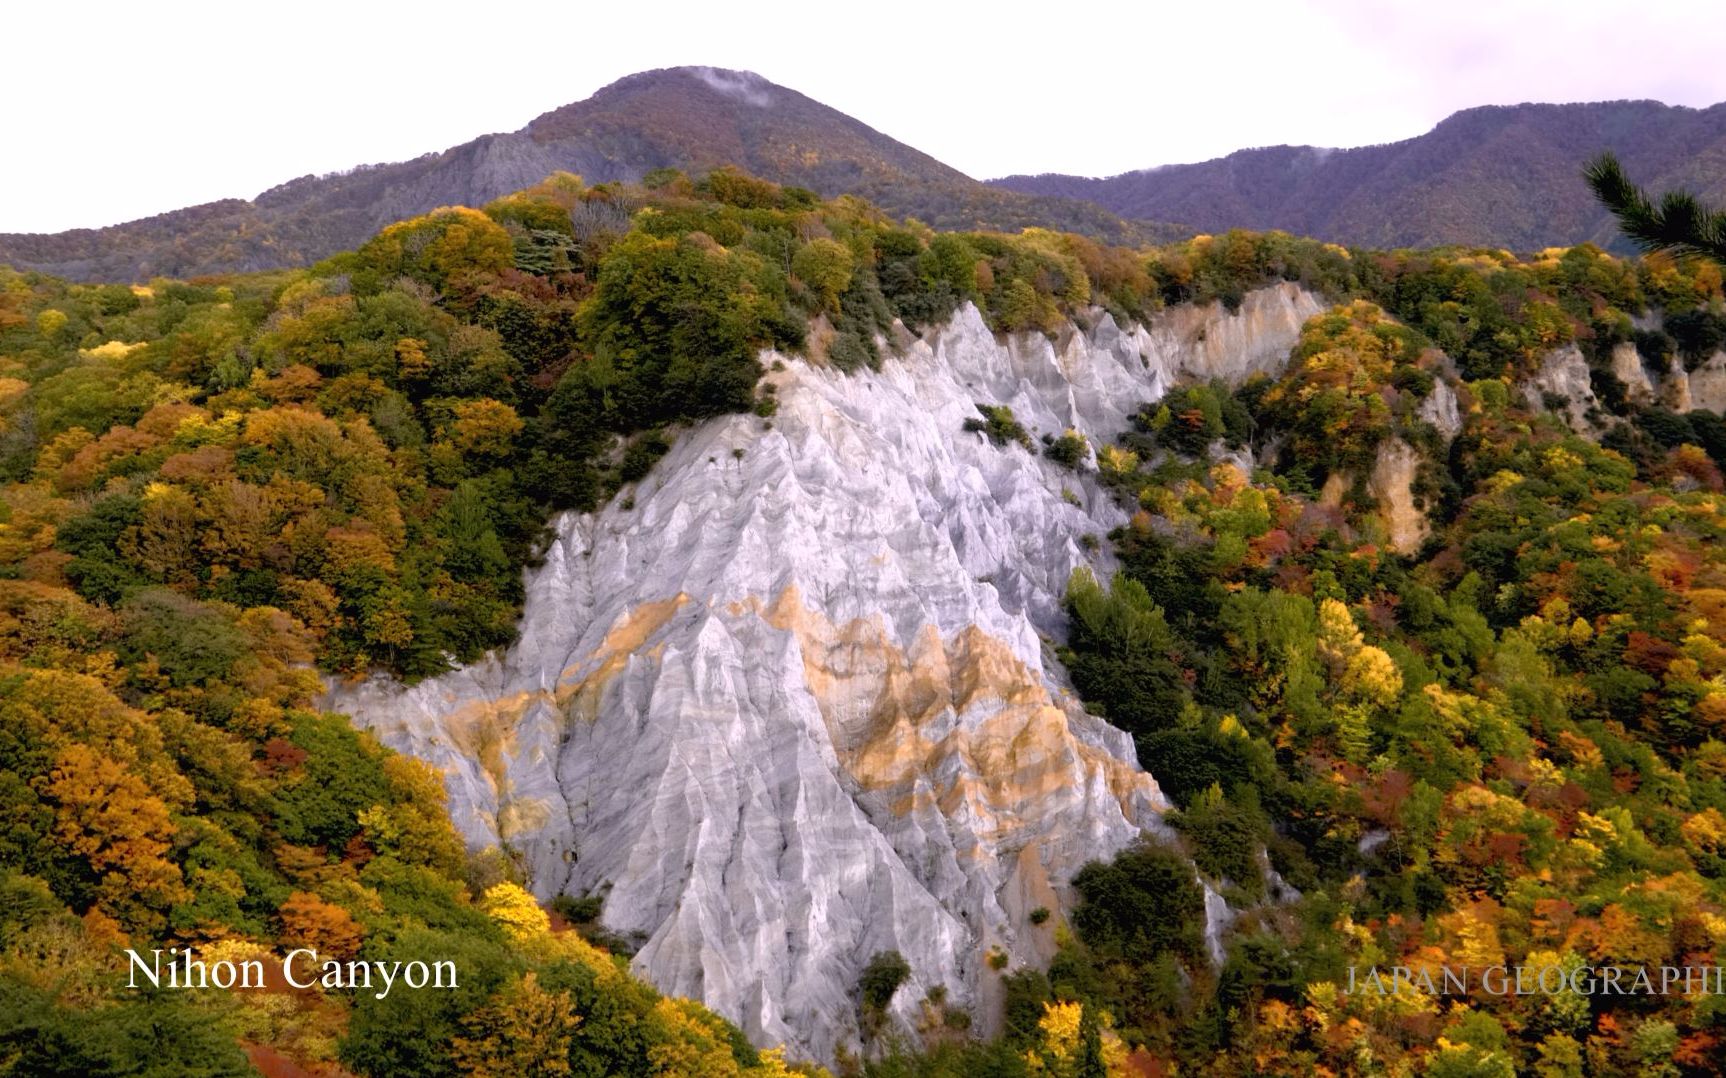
<point>703,104</point>
<point>745,86</point>
<point>737,84</point>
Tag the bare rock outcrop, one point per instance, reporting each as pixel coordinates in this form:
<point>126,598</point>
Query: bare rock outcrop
<point>790,701</point>
<point>1562,385</point>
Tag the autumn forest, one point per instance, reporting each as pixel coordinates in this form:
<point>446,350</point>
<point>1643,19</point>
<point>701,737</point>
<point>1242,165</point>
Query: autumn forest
<point>1500,743</point>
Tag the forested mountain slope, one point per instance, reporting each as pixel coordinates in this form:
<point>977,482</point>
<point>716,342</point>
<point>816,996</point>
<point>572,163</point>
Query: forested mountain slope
<point>689,118</point>
<point>1415,653</point>
<point>1498,176</point>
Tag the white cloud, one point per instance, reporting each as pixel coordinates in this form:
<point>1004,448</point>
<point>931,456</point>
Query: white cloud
<point>743,85</point>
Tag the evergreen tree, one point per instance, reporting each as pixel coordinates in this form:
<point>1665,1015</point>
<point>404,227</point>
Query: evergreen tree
<point>1679,222</point>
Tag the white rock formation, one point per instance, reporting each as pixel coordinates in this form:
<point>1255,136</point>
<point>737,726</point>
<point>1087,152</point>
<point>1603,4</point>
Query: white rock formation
<point>1564,373</point>
<point>1707,384</point>
<point>793,706</point>
<point>1198,343</point>
<point>1441,409</point>
<point>1563,376</point>
<point>1627,366</point>
<point>1391,484</point>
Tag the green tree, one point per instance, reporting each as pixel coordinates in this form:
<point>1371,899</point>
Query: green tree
<point>193,643</point>
<point>410,1034</point>
<point>161,1034</point>
<point>675,326</point>
<point>825,266</point>
<point>1143,903</point>
<point>340,777</point>
<point>1119,653</point>
<point>882,978</point>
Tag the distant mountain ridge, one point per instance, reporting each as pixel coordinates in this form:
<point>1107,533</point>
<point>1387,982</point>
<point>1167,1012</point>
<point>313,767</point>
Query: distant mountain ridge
<point>1504,176</point>
<point>691,118</point>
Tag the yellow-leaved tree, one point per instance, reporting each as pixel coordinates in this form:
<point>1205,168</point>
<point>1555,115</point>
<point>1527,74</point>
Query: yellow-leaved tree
<point>1074,1041</point>
<point>524,1032</point>
<point>107,815</point>
<point>1366,678</point>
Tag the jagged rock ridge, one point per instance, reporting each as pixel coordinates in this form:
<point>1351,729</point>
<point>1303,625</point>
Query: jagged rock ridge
<point>789,701</point>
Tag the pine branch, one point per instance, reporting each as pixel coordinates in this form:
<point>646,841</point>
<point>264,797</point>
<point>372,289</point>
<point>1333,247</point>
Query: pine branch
<point>1680,223</point>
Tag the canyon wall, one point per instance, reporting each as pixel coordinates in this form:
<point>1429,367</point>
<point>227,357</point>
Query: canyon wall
<point>791,699</point>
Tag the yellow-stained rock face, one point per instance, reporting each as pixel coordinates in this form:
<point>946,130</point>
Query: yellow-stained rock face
<point>960,725</point>
<point>631,630</point>
<point>786,705</point>
<point>484,730</point>
<point>1391,484</point>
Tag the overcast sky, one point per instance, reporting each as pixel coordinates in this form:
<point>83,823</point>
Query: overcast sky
<point>119,111</point>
